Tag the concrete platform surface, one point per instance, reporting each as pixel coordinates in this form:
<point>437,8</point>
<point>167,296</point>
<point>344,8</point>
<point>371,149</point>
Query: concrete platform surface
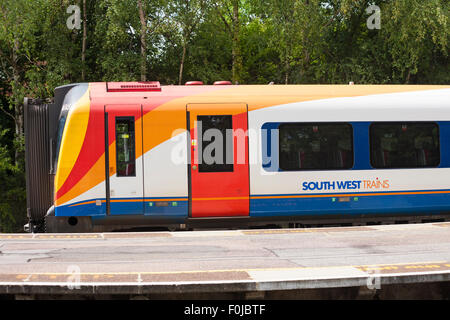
<point>225,260</point>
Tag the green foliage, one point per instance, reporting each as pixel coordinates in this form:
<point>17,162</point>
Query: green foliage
<point>415,33</point>
<point>12,189</point>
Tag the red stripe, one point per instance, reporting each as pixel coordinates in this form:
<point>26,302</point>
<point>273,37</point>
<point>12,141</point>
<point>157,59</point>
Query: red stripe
<point>91,151</point>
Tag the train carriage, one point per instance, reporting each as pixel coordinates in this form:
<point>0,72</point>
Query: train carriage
<point>125,155</point>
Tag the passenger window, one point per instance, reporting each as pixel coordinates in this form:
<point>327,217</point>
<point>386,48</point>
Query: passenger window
<point>404,145</point>
<point>315,146</point>
<point>125,147</point>
<point>216,135</point>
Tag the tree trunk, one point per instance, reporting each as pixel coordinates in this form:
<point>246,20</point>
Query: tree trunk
<point>18,106</point>
<point>83,50</point>
<point>408,77</point>
<point>236,48</point>
<point>287,67</point>
<point>143,42</point>
<point>180,77</point>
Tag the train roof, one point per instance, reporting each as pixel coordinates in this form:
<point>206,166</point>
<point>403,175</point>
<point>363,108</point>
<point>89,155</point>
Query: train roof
<point>413,102</point>
<point>303,92</point>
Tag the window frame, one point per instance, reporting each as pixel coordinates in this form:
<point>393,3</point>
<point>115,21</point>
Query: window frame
<point>436,124</point>
<point>347,124</point>
<point>132,121</point>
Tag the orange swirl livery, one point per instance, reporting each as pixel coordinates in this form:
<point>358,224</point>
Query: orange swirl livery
<point>129,154</point>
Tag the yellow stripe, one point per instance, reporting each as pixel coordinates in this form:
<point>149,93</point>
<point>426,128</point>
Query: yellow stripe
<point>173,199</point>
<point>128,200</point>
<point>77,121</point>
<point>349,195</point>
<point>274,197</point>
<point>441,263</point>
<point>147,200</point>
<point>83,203</point>
<point>222,198</point>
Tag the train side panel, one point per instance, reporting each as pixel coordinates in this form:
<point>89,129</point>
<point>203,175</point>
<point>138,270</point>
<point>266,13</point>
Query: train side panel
<point>165,163</point>
<point>360,189</point>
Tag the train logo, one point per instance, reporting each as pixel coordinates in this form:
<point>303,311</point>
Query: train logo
<point>346,185</point>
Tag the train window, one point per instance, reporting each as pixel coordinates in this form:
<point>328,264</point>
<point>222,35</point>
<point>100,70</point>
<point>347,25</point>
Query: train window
<point>61,124</point>
<point>216,136</point>
<point>404,145</point>
<point>125,147</point>
<point>315,146</point>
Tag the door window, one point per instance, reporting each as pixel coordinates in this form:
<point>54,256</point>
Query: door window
<point>216,134</point>
<point>125,147</point>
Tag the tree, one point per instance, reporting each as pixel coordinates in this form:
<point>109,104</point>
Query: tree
<point>186,15</point>
<point>130,35</point>
<point>29,44</point>
<point>12,190</point>
<point>143,41</point>
<point>416,35</point>
<point>15,41</point>
<point>83,50</point>
<point>229,13</point>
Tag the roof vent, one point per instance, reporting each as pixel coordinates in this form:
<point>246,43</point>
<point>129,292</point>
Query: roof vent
<point>222,83</point>
<point>133,86</point>
<point>193,83</point>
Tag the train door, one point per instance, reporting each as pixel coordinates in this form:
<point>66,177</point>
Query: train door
<point>124,166</point>
<point>218,169</point>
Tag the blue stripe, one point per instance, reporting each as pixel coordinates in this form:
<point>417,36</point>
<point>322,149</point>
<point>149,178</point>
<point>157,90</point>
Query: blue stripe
<point>382,204</point>
<point>388,203</point>
<point>361,147</point>
<point>336,194</point>
<point>89,209</point>
<point>175,209</point>
<point>444,133</point>
<point>126,208</point>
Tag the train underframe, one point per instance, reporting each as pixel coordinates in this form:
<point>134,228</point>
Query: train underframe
<point>82,224</point>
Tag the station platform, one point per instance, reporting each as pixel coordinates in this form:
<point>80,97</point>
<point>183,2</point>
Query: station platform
<point>328,262</point>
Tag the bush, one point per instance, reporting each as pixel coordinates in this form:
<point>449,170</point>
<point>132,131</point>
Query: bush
<point>12,191</point>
